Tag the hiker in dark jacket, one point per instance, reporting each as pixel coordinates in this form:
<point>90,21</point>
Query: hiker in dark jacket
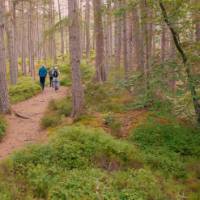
<point>56,82</point>
<point>51,76</point>
<point>42,75</point>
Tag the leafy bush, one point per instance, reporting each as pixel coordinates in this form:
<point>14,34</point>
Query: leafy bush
<point>2,127</point>
<point>165,144</point>
<point>57,110</point>
<point>50,121</point>
<point>81,163</point>
<point>95,184</point>
<point>113,123</point>
<point>87,72</point>
<point>77,147</point>
<point>24,89</point>
<point>101,98</point>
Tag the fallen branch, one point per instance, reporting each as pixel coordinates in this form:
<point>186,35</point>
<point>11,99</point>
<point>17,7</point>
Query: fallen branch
<point>20,115</point>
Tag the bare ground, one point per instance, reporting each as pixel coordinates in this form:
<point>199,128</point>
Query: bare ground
<point>24,123</point>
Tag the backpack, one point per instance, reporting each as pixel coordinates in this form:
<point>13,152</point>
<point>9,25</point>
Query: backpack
<point>55,73</point>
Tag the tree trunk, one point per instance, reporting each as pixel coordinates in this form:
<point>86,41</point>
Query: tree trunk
<point>74,47</point>
<point>11,41</point>
<point>23,42</point>
<point>99,37</point>
<point>30,41</point>
<point>163,42</point>
<point>130,40</point>
<point>191,85</point>
<point>137,40</point>
<point>61,31</point>
<point>87,28</point>
<point>118,36</point>
<point>4,101</point>
<point>125,47</point>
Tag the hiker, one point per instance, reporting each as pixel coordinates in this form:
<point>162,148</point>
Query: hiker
<point>42,75</point>
<point>56,74</point>
<point>51,76</point>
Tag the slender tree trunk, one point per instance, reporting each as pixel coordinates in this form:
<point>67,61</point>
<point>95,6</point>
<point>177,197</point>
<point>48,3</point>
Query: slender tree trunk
<point>99,36</point>
<point>125,47</point>
<point>61,31</point>
<point>163,42</point>
<point>11,44</point>
<point>146,39</point>
<point>74,45</point>
<point>4,101</point>
<point>172,55</point>
<point>30,41</point>
<point>87,28</point>
<point>137,40</point>
<point>23,42</point>
<point>118,37</point>
<point>191,85</point>
<point>130,40</point>
<point>44,46</point>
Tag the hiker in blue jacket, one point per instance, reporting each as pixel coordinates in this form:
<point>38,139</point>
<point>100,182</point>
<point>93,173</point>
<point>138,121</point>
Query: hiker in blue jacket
<point>42,75</point>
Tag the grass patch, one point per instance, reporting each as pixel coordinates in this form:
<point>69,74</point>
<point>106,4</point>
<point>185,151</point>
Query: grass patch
<point>56,112</point>
<point>24,89</point>
<point>87,72</point>
<point>167,144</point>
<point>2,127</point>
<point>79,163</point>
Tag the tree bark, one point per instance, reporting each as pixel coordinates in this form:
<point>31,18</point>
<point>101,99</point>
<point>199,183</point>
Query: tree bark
<point>30,41</point>
<point>61,31</point>
<point>74,47</point>
<point>99,38</point>
<point>4,101</point>
<point>87,28</point>
<point>191,85</point>
<point>118,37</point>
<point>137,40</point>
<point>23,41</point>
<point>125,46</point>
<point>11,43</point>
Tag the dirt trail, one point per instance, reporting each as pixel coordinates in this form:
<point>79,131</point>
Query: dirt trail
<point>21,131</point>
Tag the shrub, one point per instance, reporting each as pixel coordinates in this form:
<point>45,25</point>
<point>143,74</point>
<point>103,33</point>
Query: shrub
<point>2,127</point>
<point>165,144</point>
<point>50,121</point>
<point>95,184</point>
<point>87,72</point>
<point>80,163</point>
<point>57,110</point>
<point>113,123</point>
<point>24,89</point>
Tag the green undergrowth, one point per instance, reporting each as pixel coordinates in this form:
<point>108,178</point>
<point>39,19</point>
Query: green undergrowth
<point>107,98</point>
<point>87,73</point>
<point>80,163</point>
<point>172,148</point>
<point>24,89</point>
<point>2,127</point>
<point>57,111</point>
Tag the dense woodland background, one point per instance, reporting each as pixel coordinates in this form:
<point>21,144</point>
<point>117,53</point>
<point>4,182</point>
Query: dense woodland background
<point>132,69</point>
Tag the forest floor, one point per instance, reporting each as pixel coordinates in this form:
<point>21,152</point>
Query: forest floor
<point>24,122</point>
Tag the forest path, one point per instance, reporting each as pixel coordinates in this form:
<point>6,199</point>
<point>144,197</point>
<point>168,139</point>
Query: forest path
<point>20,131</point>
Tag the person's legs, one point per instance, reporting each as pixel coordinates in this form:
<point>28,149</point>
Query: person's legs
<point>42,82</point>
<point>51,79</point>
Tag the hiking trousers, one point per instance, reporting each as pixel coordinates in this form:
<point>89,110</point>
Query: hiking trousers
<point>42,82</point>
